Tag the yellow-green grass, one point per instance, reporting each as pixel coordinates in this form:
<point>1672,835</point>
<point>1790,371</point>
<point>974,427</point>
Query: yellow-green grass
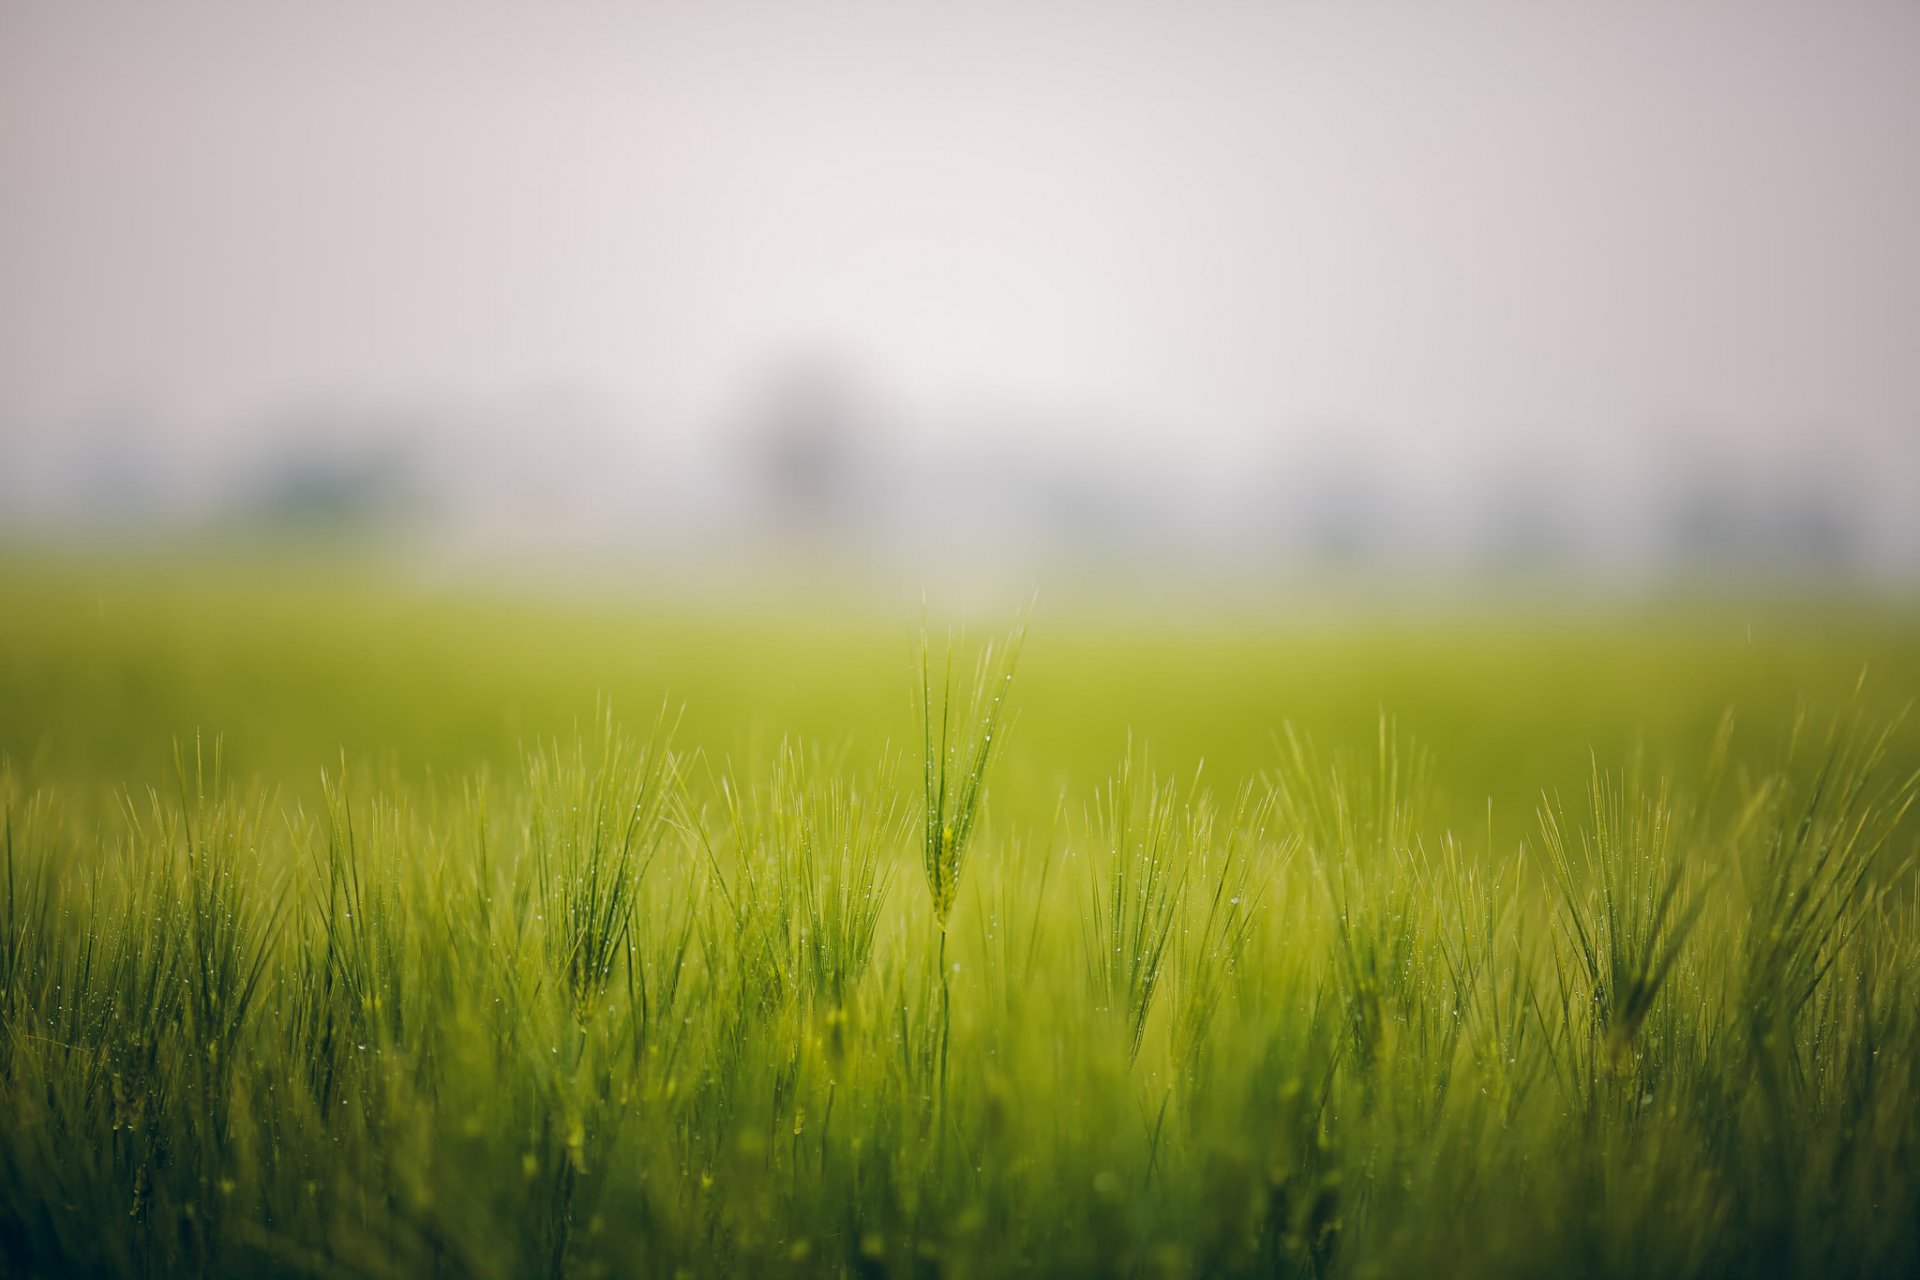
<point>104,666</point>
<point>523,985</point>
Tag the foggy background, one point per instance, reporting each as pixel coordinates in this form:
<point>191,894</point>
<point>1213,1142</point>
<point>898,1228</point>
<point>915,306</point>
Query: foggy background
<point>1432,292</point>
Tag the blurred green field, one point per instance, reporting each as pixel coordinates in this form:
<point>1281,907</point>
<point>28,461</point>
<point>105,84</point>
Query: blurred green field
<point>356,924</point>
<point>104,667</point>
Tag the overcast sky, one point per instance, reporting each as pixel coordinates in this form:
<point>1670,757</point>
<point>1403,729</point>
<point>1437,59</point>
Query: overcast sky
<point>1194,227</point>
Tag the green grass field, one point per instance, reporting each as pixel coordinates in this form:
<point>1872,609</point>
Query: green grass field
<point>352,926</point>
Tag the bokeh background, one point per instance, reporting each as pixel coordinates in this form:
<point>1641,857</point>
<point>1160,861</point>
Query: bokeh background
<point>1268,299</point>
<point>402,380</point>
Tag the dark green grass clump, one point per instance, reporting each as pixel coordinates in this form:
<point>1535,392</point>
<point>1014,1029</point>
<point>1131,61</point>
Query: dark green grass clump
<point>630,1012</point>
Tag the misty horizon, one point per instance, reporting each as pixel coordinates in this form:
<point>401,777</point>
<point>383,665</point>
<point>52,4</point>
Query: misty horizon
<point>1596,286</point>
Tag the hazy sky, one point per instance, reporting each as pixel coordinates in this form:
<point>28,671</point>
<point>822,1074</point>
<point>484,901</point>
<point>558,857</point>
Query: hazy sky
<point>1460,228</point>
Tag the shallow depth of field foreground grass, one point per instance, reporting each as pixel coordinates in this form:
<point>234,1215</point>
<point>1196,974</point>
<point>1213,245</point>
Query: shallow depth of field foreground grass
<point>654,995</point>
